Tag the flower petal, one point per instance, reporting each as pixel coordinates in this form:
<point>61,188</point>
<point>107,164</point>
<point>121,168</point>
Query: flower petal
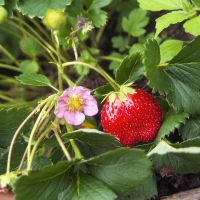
<point>74,118</point>
<point>61,109</point>
<point>90,107</point>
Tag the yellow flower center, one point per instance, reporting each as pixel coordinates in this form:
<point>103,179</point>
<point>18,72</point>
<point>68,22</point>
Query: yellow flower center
<point>75,103</point>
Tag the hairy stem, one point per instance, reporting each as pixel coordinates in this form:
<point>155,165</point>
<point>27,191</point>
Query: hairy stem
<point>62,145</point>
<point>17,132</point>
<point>48,102</point>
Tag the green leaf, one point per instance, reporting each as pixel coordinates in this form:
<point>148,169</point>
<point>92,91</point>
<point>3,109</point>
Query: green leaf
<point>171,121</point>
<point>90,10</point>
<point>191,26</point>
<point>171,18</point>
<point>40,184</point>
<point>33,79</point>
<point>152,59</point>
<point>136,47</point>
<point>180,80</point>
<point>100,93</point>
<point>10,120</point>
<point>9,5</point>
<point>96,4</point>
<point>121,170</point>
<point>120,43</point>
<point>29,46</point>
<point>143,192</point>
<point>182,157</point>
<point>37,8</point>
<point>135,22</point>
<point>197,2</point>
<point>131,69</point>
<point>117,59</point>
<point>91,136</point>
<point>191,128</point>
<point>87,187</point>
<point>17,154</point>
<point>29,66</point>
<point>157,5</point>
<point>86,58</point>
<point>169,49</point>
<point>9,41</point>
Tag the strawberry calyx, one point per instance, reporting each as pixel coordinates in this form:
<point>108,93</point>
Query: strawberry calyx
<point>121,94</point>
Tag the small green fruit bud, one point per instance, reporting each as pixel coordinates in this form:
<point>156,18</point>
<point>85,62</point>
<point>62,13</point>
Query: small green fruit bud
<point>3,14</point>
<point>54,19</point>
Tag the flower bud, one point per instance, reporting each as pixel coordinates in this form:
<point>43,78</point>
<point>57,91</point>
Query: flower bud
<point>3,14</point>
<point>54,19</point>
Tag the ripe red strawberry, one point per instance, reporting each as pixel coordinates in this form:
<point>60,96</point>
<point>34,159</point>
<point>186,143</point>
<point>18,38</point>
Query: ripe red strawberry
<point>134,119</point>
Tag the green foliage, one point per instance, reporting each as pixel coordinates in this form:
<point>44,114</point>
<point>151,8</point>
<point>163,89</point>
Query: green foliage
<point>51,178</point>
<point>89,9</point>
<point>169,49</point>
<point>146,191</point>
<point>29,66</point>
<point>196,2</point>
<point>10,120</point>
<point>171,18</point>
<point>191,26</point>
<point>171,121</point>
<point>91,136</point>
<point>120,43</point>
<point>18,151</point>
<point>129,167</point>
<point>181,94</point>
<point>29,46</point>
<point>33,79</point>
<point>135,23</point>
<point>157,5</point>
<point>8,40</point>
<point>131,69</point>
<point>183,10</point>
<point>9,5</point>
<point>99,167</point>
<point>190,129</point>
<point>37,8</point>
<point>86,186</point>
<point>87,58</point>
<point>182,157</point>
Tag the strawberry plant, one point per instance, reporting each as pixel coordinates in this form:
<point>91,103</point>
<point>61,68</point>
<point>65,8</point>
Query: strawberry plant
<point>72,129</point>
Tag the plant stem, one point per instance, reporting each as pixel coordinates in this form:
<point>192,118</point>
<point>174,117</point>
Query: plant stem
<point>99,70</point>
<point>17,132</point>
<point>10,32</point>
<point>110,58</point>
<point>10,56</point>
<point>76,149</point>
<point>74,146</point>
<point>47,101</point>
<point>22,160</point>
<point>5,66</point>
<point>18,105</point>
<point>36,145</point>
<point>41,29</point>
<point>69,82</point>
<point>62,145</point>
<point>7,98</point>
<point>48,48</point>
<point>59,64</point>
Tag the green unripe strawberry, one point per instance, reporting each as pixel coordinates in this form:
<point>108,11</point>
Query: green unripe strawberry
<point>133,118</point>
<point>3,14</point>
<point>54,19</point>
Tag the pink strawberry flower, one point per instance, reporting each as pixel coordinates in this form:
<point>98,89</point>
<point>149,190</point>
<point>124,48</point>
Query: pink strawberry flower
<point>74,104</point>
